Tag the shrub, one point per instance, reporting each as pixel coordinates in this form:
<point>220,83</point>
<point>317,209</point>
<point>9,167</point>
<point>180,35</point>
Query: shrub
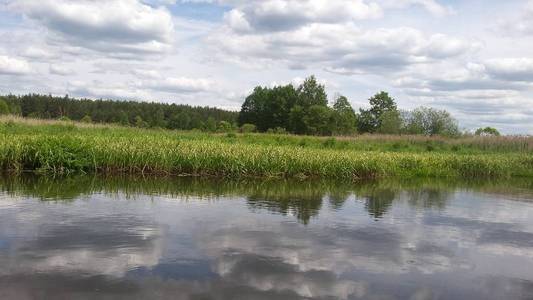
<point>224,126</point>
<point>86,119</point>
<point>248,128</point>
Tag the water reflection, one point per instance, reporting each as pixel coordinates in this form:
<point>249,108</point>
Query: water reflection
<point>135,238</point>
<point>302,199</point>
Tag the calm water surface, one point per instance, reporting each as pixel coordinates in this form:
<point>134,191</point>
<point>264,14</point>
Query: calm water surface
<point>117,238</point>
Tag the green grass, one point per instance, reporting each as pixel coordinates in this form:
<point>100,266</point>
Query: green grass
<point>64,147</point>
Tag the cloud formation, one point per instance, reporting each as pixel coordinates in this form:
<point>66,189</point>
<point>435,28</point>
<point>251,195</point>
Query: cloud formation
<point>114,26</point>
<point>214,51</point>
<point>13,66</point>
<point>382,49</point>
<point>277,15</point>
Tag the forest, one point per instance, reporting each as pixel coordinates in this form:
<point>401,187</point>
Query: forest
<point>302,110</point>
<point>127,113</point>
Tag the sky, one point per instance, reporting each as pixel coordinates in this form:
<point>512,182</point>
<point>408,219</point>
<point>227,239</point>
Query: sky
<point>473,58</point>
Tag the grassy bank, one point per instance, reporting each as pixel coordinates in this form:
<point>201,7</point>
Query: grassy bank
<point>64,147</point>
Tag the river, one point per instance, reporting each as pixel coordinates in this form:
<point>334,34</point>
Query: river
<point>142,238</point>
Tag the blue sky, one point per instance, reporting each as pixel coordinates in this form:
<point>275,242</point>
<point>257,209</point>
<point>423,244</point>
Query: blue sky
<point>472,58</point>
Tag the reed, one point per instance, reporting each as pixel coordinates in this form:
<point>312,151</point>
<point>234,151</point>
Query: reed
<point>66,147</point>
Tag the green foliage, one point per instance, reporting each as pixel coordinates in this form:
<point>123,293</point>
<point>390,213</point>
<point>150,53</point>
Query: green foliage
<point>317,120</point>
<point>55,148</point>
<point>180,121</point>
<point>371,119</point>
<point>4,108</point>
<point>248,128</point>
<point>487,131</point>
<point>390,122</point>
<point>211,125</point>
<point>277,130</point>
<point>296,120</point>
<point>170,116</point>
<point>311,93</point>
<point>330,142</point>
<point>64,118</point>
<point>123,118</point>
<point>86,119</point>
<point>344,118</point>
<point>139,122</point>
<point>430,121</point>
<point>365,121</point>
<point>295,110</point>
<point>224,126</point>
<point>268,107</point>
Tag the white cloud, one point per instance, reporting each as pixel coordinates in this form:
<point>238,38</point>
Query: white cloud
<point>114,26</point>
<point>60,70</point>
<point>37,53</point>
<point>431,6</point>
<point>181,85</point>
<point>13,66</point>
<point>512,69</point>
<point>146,74</point>
<point>281,15</point>
<point>521,24</point>
<point>99,89</point>
<point>363,51</point>
<point>491,92</point>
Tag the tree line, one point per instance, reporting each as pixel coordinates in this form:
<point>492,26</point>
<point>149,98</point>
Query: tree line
<point>302,109</point>
<point>305,110</point>
<point>128,113</point>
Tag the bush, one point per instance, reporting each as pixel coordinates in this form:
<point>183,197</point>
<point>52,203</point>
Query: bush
<point>86,119</point>
<point>248,128</point>
<point>277,130</point>
<point>224,126</point>
<point>280,130</point>
<point>487,131</point>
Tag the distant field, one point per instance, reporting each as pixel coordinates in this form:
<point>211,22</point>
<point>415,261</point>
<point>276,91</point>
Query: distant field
<point>56,147</point>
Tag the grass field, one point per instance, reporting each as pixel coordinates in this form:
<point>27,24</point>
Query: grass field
<point>55,147</point>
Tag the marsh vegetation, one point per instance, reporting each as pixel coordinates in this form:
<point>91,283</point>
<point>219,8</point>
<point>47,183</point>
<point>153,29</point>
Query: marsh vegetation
<point>60,147</point>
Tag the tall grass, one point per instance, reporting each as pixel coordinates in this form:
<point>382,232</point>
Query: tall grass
<point>63,148</point>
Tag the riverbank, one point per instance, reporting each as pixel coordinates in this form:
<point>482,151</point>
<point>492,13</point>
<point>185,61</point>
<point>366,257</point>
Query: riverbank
<point>54,147</point>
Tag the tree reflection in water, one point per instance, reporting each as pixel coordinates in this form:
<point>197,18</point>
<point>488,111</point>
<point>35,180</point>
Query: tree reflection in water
<point>301,199</point>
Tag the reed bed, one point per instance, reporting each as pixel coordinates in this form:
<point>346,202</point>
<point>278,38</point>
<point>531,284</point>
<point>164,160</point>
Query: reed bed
<point>66,148</point>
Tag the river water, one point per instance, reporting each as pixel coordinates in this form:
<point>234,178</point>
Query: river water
<point>134,238</point>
